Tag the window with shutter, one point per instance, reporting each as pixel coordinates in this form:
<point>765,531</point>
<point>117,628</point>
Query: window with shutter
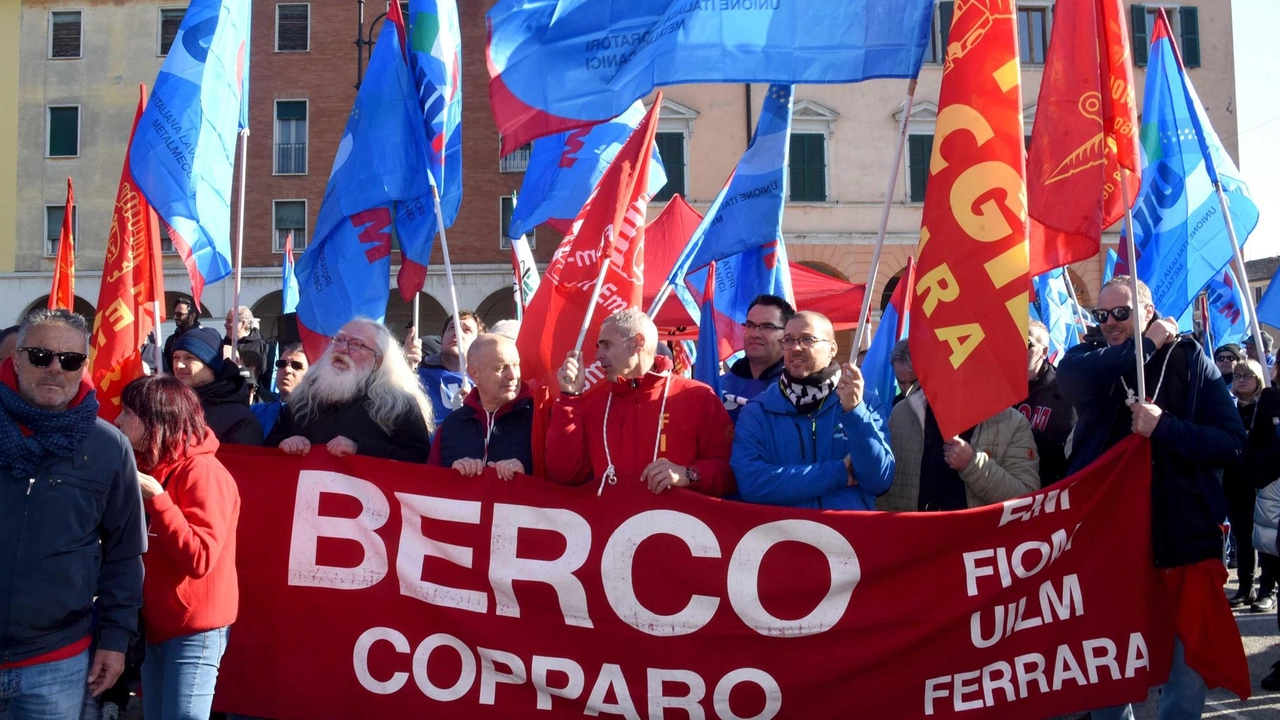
<point>170,21</point>
<point>1189,17</point>
<point>53,215</point>
<point>671,150</point>
<point>290,217</point>
<point>1033,34</point>
<point>506,208</point>
<point>291,137</point>
<point>64,132</point>
<point>808,167</point>
<point>919,150</point>
<point>293,28</point>
<point>64,34</point>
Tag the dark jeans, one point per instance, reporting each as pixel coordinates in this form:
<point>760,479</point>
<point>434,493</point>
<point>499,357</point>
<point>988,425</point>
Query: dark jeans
<point>1240,510</point>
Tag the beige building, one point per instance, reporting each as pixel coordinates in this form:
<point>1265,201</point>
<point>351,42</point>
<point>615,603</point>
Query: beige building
<point>9,25</point>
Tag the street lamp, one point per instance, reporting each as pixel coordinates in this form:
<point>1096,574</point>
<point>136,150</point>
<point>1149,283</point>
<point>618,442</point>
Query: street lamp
<point>361,42</point>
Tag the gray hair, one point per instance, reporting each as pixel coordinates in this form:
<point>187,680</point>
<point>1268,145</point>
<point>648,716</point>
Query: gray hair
<point>506,328</point>
<point>1144,292</point>
<point>901,353</point>
<point>1039,329</point>
<point>632,322</point>
<point>61,316</point>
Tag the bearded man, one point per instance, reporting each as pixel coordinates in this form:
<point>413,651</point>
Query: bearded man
<point>359,398</point>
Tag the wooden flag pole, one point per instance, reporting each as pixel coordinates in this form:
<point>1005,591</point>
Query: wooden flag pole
<point>884,223</point>
<point>1242,281</point>
<point>1133,286</point>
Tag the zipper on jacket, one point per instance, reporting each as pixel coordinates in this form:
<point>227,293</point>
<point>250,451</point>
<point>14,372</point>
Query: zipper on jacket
<point>813,436</point>
<point>31,482</point>
<point>800,437</point>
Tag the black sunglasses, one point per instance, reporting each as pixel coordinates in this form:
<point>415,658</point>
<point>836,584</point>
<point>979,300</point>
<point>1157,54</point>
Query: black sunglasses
<point>282,364</point>
<point>1119,313</point>
<point>41,357</point>
<point>1226,358</point>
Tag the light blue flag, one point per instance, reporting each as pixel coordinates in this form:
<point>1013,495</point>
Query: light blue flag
<point>739,280</point>
<point>183,152</point>
<point>1053,307</point>
<point>1109,271</point>
<point>1227,320</point>
<point>564,169</point>
<point>380,163</point>
<point>706,364</point>
<point>881,382</point>
<point>1269,305</point>
<point>1179,232</point>
<point>288,280</point>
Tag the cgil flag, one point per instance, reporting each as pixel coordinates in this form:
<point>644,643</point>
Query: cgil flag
<point>969,313</point>
<point>564,168</point>
<point>877,368</point>
<point>1179,232</point>
<point>63,292</point>
<point>380,162</point>
<point>608,237</point>
<point>184,152</point>
<point>131,283</point>
<point>556,65</point>
<point>434,51</point>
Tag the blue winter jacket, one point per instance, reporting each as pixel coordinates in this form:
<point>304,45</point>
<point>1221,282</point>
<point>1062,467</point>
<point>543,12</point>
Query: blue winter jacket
<point>781,457</point>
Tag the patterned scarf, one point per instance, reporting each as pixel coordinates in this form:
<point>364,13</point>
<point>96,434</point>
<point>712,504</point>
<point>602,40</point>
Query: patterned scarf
<point>53,433</point>
<point>807,393</point>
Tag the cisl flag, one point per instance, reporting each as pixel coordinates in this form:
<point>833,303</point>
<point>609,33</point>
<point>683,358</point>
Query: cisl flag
<point>607,232</point>
<point>131,282</point>
<point>969,312</point>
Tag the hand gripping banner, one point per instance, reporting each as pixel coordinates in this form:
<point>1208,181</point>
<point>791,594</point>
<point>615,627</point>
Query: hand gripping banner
<point>377,589</point>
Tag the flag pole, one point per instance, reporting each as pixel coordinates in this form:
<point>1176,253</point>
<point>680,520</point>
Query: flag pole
<point>453,291</point>
<point>595,297</point>
<point>884,223</point>
<point>155,317</point>
<point>1075,305</point>
<point>1133,285</point>
<point>1242,282</point>
<point>235,295</point>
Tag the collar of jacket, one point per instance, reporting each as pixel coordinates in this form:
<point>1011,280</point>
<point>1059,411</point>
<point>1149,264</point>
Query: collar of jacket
<point>742,368</point>
<point>207,446</point>
<point>647,385</point>
<point>1047,375</point>
<point>473,401</point>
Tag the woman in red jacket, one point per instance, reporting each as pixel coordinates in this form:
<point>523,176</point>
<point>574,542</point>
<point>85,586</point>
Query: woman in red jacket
<point>190,595</point>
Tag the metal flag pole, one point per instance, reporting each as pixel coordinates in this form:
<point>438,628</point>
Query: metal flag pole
<point>235,295</point>
<point>1242,281</point>
<point>884,222</point>
<point>1133,284</point>
<point>453,292</point>
<point>155,317</point>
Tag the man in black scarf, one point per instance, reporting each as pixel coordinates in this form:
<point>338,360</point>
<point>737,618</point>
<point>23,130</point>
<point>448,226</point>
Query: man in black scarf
<point>70,522</point>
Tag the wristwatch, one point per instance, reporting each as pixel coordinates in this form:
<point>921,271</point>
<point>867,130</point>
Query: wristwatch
<point>692,474</point>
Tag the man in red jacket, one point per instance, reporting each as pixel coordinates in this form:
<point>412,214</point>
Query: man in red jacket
<point>648,424</point>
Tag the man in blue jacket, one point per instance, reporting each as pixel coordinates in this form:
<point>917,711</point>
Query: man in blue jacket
<point>70,526</point>
<point>809,440</point>
<point>1195,431</point>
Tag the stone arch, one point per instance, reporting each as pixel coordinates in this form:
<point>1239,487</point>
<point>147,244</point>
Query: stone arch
<point>80,306</point>
<point>268,310</point>
<point>889,286</point>
<point>172,296</point>
<point>431,315</point>
<point>825,269</point>
<point>499,305</point>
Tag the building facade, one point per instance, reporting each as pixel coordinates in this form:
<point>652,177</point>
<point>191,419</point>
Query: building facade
<point>79,63</point>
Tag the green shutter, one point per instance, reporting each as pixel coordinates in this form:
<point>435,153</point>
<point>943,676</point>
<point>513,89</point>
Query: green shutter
<point>64,131</point>
<point>946,10</point>
<point>1138,32</point>
<point>296,110</point>
<point>807,173</point>
<point>671,150</point>
<point>919,150</point>
<point>1190,17</point>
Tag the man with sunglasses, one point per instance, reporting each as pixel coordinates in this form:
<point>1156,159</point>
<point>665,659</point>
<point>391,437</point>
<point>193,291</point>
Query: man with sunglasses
<point>185,317</point>
<point>290,369</point>
<point>70,524</point>
<point>1195,432</point>
<point>1226,358</point>
<point>761,365</point>
<point>809,440</point>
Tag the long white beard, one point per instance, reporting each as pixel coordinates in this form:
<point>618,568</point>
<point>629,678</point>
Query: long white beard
<point>331,386</point>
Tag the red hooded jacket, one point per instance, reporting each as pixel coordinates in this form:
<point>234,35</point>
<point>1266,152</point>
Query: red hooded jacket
<point>696,431</point>
<point>191,583</point>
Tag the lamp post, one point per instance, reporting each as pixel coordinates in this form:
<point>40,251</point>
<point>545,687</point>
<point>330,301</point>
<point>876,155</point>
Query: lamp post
<point>362,42</point>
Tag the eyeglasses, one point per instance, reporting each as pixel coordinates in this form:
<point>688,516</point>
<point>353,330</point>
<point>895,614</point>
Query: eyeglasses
<point>1119,313</point>
<point>41,357</point>
<point>805,341</point>
<point>282,364</point>
<point>762,327</point>
<point>1244,376</point>
<point>352,344</point>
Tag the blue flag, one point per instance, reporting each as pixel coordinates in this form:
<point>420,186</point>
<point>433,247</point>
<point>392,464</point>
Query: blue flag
<point>1227,320</point>
<point>183,152</point>
<point>435,61</point>
<point>1179,232</point>
<point>555,65</point>
<point>1269,305</point>
<point>288,280</point>
<point>706,365</point>
<point>381,162</point>
<point>738,280</point>
<point>877,367</point>
<point>1054,307</point>
<point>1109,271</point>
<point>564,169</point>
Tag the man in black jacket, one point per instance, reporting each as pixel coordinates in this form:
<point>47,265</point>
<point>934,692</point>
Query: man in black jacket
<point>185,317</point>
<point>1195,431</point>
<point>70,525</point>
<point>494,426</point>
<point>1051,415</point>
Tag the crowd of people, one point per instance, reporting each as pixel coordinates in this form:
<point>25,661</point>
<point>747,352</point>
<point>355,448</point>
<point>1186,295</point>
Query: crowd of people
<point>130,531</point>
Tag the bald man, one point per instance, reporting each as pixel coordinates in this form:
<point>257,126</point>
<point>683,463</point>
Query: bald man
<point>809,440</point>
<point>494,426</point>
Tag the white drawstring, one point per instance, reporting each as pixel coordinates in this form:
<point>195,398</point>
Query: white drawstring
<point>610,473</point>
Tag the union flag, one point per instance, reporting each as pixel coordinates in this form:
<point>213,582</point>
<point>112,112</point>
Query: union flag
<point>63,292</point>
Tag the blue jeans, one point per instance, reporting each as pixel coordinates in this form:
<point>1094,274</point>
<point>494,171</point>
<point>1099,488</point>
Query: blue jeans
<point>178,676</point>
<point>48,691</point>
<point>1182,698</point>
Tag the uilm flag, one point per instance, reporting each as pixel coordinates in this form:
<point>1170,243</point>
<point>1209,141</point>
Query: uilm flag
<point>130,286</point>
<point>969,313</point>
<point>1086,131</point>
<point>609,230</point>
<point>63,292</point>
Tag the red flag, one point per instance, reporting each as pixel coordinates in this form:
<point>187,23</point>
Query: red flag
<point>130,285</point>
<point>63,292</point>
<point>969,314</point>
<point>664,240</point>
<point>608,229</point>
<point>1085,132</point>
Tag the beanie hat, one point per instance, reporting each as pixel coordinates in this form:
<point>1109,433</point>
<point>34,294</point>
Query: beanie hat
<point>205,343</point>
<point>1231,348</point>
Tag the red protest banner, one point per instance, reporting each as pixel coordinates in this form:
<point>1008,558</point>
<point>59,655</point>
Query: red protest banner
<point>376,589</point>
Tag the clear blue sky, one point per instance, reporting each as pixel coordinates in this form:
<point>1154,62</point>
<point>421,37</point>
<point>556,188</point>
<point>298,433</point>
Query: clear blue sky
<point>1256,24</point>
